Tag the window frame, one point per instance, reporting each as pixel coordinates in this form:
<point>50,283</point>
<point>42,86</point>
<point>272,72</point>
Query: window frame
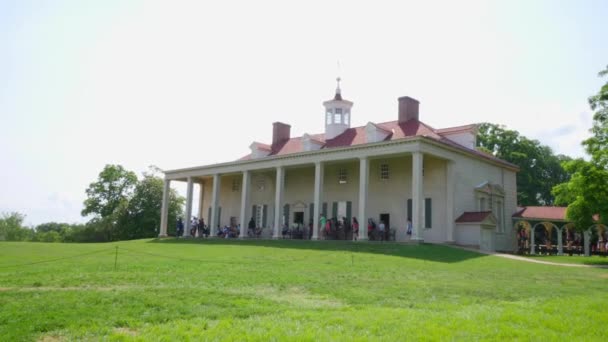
<point>342,175</point>
<point>384,171</point>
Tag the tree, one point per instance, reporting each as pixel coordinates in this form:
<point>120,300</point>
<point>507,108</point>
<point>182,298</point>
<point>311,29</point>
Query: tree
<point>112,189</point>
<point>540,169</point>
<point>12,229</point>
<point>125,207</point>
<point>586,193</point>
<point>144,208</point>
<point>597,145</point>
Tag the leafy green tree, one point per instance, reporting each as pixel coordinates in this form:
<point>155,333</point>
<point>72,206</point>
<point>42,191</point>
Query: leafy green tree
<point>125,207</point>
<point>12,229</point>
<point>586,193</point>
<point>540,169</point>
<point>144,208</point>
<point>597,144</point>
<point>110,193</point>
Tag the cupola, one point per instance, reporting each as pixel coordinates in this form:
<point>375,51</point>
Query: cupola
<point>337,114</point>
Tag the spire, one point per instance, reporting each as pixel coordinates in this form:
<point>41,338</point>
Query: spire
<point>338,95</point>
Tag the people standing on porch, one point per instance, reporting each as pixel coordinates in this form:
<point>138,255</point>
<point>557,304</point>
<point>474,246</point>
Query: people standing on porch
<point>193,226</point>
<point>382,231</point>
<point>310,228</point>
<point>409,227</point>
<point>251,227</point>
<point>322,222</point>
<point>179,231</point>
<point>202,232</point>
<point>355,229</point>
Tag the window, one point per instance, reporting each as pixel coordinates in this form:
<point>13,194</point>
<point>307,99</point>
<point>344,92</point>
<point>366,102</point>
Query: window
<point>261,183</point>
<point>338,110</point>
<point>342,176</point>
<point>346,118</point>
<point>329,114</point>
<point>383,171</point>
<point>482,204</point>
<point>428,213</point>
<point>236,185</point>
<point>338,118</point>
<point>499,226</point>
<point>259,215</point>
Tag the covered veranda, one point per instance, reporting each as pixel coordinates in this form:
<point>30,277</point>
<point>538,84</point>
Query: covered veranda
<point>545,230</point>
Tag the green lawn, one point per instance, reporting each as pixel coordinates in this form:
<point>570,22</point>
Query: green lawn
<point>296,290</point>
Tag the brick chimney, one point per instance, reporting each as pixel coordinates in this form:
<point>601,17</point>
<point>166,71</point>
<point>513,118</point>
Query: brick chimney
<point>408,109</point>
<point>280,132</point>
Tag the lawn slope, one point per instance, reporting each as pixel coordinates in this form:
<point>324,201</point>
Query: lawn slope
<point>276,290</point>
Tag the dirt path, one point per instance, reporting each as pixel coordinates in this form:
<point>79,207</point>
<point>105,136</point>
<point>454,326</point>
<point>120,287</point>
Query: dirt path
<point>521,258</point>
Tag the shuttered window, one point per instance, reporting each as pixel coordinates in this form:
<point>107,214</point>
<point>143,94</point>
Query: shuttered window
<point>409,209</point>
<point>286,214</point>
<point>349,211</point>
<point>428,210</point>
<point>311,213</point>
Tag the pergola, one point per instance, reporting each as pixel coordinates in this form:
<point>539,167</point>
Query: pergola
<point>553,223</point>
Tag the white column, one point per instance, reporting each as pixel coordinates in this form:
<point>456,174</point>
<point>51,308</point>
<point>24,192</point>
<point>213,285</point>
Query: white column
<point>449,201</point>
<point>164,212</point>
<point>201,196</point>
<point>278,200</point>
<point>215,197</point>
<point>417,196</point>
<point>363,187</point>
<point>188,208</point>
<point>244,198</point>
<point>318,200</point>
<point>586,241</point>
<point>560,242</point>
<point>532,242</point>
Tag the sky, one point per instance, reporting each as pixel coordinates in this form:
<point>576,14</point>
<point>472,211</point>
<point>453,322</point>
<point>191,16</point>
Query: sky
<point>186,83</point>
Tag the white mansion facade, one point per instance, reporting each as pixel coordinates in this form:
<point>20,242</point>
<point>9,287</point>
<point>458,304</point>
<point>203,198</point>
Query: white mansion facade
<point>391,171</point>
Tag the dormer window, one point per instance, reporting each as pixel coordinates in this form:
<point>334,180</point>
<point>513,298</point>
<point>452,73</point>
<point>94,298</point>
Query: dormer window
<point>329,115</point>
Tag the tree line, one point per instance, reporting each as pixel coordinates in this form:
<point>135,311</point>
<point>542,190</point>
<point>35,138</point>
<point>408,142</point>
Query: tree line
<point>120,207</point>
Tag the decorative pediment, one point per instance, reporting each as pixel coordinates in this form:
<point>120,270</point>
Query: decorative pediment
<point>299,205</point>
<point>490,188</point>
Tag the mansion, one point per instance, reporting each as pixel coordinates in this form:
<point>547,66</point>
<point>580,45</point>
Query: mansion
<point>390,171</point>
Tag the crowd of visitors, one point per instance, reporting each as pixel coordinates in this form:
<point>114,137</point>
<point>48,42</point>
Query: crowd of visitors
<point>197,227</point>
<point>330,229</point>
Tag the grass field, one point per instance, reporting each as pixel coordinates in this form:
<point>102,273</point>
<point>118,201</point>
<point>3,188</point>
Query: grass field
<point>291,290</point>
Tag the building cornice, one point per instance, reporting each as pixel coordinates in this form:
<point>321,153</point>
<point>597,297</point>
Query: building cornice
<point>327,155</point>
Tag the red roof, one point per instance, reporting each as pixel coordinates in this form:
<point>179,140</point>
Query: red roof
<point>545,213</point>
<point>356,136</point>
<point>473,216</point>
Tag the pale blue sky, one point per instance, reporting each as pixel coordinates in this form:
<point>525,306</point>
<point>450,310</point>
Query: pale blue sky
<point>185,83</point>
